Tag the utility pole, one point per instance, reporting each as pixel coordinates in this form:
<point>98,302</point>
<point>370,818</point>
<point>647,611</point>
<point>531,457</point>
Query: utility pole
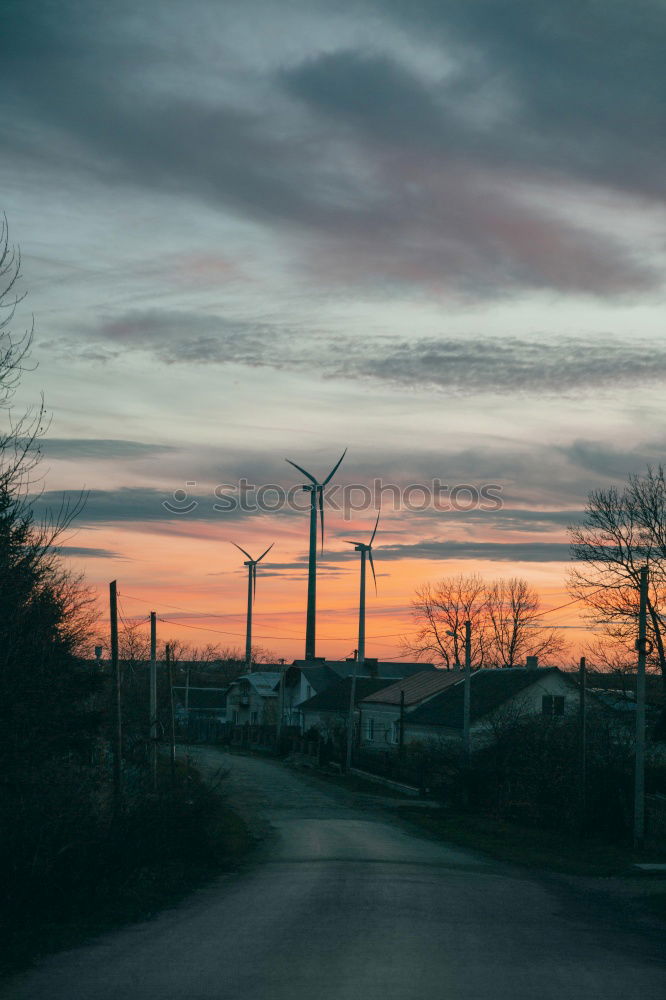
<point>350,718</point>
<point>153,697</point>
<point>467,692</point>
<point>401,730</point>
<point>117,739</point>
<point>582,694</point>
<point>639,776</point>
<point>172,715</point>
<point>280,718</point>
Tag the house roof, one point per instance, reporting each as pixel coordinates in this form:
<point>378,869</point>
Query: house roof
<point>388,669</point>
<point>322,675</point>
<point>489,689</point>
<point>319,677</point>
<point>417,688</point>
<point>335,698</point>
<point>264,682</point>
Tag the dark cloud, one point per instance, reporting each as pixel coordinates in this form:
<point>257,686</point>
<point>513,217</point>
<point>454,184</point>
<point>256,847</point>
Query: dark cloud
<point>457,365</point>
<point>371,90</point>
<point>134,503</point>
<point>86,552</point>
<point>104,448</point>
<point>391,179</point>
<point>521,519</point>
<point>612,462</point>
<point>493,551</point>
<point>585,83</point>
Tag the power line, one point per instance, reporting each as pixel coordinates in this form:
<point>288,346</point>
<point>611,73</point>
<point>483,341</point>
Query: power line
<point>385,635</point>
<point>400,609</point>
<point>217,631</point>
<point>576,600</point>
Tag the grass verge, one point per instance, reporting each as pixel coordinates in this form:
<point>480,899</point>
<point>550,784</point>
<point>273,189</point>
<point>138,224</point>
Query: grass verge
<point>545,849</point>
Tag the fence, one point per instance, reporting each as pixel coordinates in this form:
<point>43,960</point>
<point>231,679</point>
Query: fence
<point>655,820</point>
<point>202,729</point>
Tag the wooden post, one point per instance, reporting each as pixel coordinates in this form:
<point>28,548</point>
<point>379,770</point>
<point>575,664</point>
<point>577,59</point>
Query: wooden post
<point>582,694</point>
<point>172,753</point>
<point>117,739</point>
<point>401,731</point>
<point>467,692</point>
<point>153,697</point>
<point>639,775</point>
<point>350,720</point>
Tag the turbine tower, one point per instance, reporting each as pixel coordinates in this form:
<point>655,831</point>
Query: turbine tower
<point>365,548</point>
<point>316,491</point>
<point>251,591</point>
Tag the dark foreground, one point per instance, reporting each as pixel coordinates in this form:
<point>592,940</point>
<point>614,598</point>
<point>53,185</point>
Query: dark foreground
<point>344,903</point>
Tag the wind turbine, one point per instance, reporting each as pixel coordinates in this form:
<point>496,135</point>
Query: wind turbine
<point>251,591</point>
<point>365,548</point>
<point>316,490</point>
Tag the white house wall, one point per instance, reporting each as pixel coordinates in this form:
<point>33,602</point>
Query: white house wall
<point>526,702</point>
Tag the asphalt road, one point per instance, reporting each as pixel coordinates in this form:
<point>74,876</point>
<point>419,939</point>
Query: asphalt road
<point>344,903</point>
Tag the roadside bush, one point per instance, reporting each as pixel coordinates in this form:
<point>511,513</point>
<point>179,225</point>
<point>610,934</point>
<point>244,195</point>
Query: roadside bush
<point>531,771</point>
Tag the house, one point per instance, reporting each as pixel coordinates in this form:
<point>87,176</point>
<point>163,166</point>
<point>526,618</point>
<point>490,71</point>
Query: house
<point>497,696</point>
<point>253,698</point>
<point>304,678</point>
<point>300,684</point>
<point>381,709</point>
<point>328,711</point>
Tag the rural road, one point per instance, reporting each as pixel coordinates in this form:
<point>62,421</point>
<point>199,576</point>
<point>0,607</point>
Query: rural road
<point>344,902</point>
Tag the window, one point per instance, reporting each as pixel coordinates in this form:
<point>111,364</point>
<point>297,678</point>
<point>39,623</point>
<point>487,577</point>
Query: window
<point>395,732</point>
<point>370,729</point>
<point>552,704</point>
<point>254,718</point>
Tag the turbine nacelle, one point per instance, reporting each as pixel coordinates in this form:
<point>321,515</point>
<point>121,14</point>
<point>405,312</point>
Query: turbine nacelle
<point>252,564</point>
<point>367,548</point>
<point>317,489</point>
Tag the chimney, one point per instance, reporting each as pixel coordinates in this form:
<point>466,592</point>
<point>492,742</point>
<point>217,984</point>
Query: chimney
<point>372,665</point>
<point>532,662</point>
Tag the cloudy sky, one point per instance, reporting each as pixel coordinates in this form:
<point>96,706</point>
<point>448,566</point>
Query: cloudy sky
<point>431,232</point>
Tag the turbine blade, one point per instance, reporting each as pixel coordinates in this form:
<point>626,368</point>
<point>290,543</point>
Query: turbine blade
<point>372,567</point>
<point>372,537</point>
<point>320,491</point>
<point>301,469</point>
<point>243,551</point>
<point>254,581</point>
<point>334,469</point>
<point>349,542</point>
<point>265,553</point>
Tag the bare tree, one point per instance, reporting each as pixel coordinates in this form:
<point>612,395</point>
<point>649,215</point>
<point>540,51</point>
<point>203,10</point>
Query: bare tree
<point>515,631</point>
<point>504,617</point>
<point>623,530</point>
<point>14,350</point>
<point>440,611</point>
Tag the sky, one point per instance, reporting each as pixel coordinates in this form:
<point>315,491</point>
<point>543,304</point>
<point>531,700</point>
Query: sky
<point>432,233</point>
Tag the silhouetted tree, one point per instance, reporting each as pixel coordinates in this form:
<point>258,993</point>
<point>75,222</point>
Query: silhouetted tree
<point>440,611</point>
<point>623,530</point>
<point>515,632</point>
<point>504,616</point>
